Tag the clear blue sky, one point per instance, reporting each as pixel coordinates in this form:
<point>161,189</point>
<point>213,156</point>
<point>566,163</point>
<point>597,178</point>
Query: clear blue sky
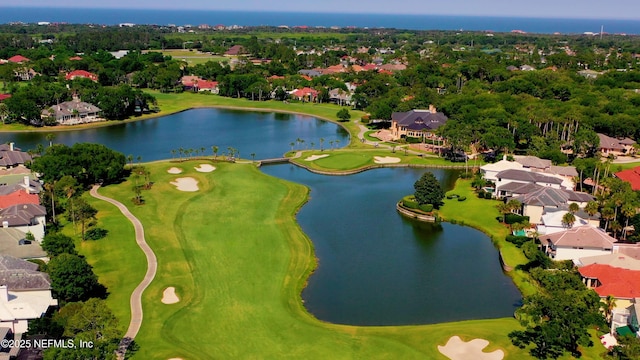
<point>612,9</point>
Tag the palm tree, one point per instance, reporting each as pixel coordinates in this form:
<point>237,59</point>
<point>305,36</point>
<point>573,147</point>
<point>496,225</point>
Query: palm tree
<point>4,112</point>
<point>331,143</point>
<point>608,214</point>
<point>173,153</point>
<point>312,145</point>
<point>292,144</point>
<point>202,149</point>
<point>321,144</point>
<point>574,208</point>
<point>504,209</point>
<point>609,305</point>
<point>591,208</point>
<point>253,157</point>
<point>215,149</point>
<point>50,138</point>
<point>615,227</point>
<point>337,142</point>
<point>299,141</point>
<point>181,151</point>
<point>514,205</point>
<point>628,211</point>
<point>130,159</point>
<point>50,187</point>
<point>568,220</point>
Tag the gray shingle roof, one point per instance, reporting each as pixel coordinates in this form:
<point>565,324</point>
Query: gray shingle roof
<point>529,176</point>
<point>533,162</point>
<point>419,119</point>
<point>582,236</point>
<point>13,158</point>
<point>8,262</point>
<point>23,214</point>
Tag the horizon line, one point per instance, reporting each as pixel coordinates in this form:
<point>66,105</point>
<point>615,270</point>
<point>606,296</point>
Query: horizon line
<point>326,12</point>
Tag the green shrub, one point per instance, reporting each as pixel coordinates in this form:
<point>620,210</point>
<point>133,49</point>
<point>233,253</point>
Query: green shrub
<point>466,175</point>
<point>488,195</point>
<point>426,207</point>
<point>451,196</point>
<point>410,202</point>
<point>481,194</point>
<point>96,234</point>
<point>515,218</point>
<point>462,198</point>
<point>517,240</point>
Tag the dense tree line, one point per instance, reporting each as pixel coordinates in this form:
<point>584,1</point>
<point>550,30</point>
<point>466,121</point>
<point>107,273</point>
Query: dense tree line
<point>88,163</point>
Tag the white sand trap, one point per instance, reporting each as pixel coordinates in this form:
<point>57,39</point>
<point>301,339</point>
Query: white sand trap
<point>316,157</point>
<point>169,296</point>
<point>205,168</point>
<point>174,170</point>
<point>456,349</point>
<point>386,160</point>
<point>186,184</point>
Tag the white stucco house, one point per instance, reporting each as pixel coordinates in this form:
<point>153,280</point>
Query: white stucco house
<point>578,242</point>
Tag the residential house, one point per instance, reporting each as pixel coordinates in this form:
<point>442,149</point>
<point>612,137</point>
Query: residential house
<point>17,197</point>
<point>590,74</point>
<point>25,293</point>
<point>533,163</point>
<point>417,123</point>
<point>11,156</point>
<point>198,84</point>
<point>26,218</point>
<point>18,59</point>
<point>73,112</point>
<point>75,74</point>
<point>235,50</point>
<point>305,94</point>
<point>547,199</point>
<point>489,171</point>
<point>509,176</point>
<point>615,147</point>
<point>25,73</point>
<point>527,68</point>
<point>9,185</point>
<point>552,222</point>
<point>577,242</point>
<point>340,97</point>
<point>14,242</point>
<point>631,176</point>
<point>310,72</point>
<point>617,276</point>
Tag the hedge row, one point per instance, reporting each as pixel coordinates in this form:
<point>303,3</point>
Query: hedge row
<point>515,218</point>
<point>517,240</point>
<point>426,207</point>
<point>410,202</point>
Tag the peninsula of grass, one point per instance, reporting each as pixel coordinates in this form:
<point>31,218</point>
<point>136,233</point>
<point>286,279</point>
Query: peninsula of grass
<point>239,262</point>
<point>353,160</point>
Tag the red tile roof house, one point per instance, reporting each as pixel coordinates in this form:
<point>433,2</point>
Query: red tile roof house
<point>235,50</point>
<point>195,83</point>
<point>631,176</point>
<point>81,74</point>
<point>305,94</point>
<point>18,59</point>
<point>623,285</point>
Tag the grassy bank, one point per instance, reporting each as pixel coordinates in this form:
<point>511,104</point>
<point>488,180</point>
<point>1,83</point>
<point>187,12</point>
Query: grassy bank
<point>347,159</point>
<point>238,261</point>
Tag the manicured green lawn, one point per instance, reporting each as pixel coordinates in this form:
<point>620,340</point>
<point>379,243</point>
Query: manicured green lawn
<point>239,261</point>
<point>352,159</point>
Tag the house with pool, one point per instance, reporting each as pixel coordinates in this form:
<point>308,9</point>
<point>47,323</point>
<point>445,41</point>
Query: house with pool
<point>417,124</point>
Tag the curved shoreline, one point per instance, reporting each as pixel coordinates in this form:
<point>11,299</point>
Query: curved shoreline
<point>108,123</point>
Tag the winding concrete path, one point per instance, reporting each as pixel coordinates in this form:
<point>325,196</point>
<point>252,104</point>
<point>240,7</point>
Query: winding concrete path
<point>152,267</point>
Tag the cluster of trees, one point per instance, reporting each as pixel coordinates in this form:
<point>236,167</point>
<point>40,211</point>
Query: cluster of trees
<point>83,314</point>
<point>86,162</point>
<point>428,190</point>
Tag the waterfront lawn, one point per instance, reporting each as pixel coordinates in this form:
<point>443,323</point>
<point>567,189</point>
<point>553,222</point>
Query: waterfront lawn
<point>239,261</point>
<point>481,214</point>
<point>356,159</point>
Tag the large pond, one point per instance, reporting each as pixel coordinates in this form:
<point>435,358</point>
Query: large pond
<point>379,268</point>
<point>267,135</point>
<point>375,267</point>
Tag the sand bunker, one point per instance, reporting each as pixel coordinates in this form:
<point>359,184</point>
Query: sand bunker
<point>316,157</point>
<point>456,349</point>
<point>205,168</point>
<point>186,184</point>
<point>386,160</point>
<point>174,170</point>
<point>169,296</point>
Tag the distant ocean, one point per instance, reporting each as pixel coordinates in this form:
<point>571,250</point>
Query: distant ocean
<point>410,22</point>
